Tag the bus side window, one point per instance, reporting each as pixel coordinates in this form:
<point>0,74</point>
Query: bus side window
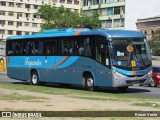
<point>101,50</point>
<point>35,48</point>
<point>40,48</point>
<point>87,47</point>
<point>67,47</point>
<point>50,47</point>
<point>28,48</point>
<point>10,48</point>
<point>83,46</point>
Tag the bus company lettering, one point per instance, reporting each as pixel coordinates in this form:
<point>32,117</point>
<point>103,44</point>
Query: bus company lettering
<point>32,63</point>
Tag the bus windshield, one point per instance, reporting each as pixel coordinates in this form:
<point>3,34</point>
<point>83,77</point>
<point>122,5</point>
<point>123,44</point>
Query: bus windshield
<point>131,53</point>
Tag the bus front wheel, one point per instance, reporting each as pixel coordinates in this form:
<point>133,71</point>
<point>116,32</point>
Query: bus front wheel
<point>89,83</point>
<point>34,78</point>
<point>153,83</point>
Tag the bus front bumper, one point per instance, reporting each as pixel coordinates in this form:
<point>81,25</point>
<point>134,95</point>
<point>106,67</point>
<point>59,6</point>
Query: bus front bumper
<point>121,81</point>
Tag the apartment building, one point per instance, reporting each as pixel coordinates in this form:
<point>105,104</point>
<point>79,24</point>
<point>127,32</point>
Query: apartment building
<point>17,17</point>
<point>121,14</point>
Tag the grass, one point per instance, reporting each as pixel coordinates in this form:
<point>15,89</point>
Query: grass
<point>77,93</point>
<point>147,104</point>
<point>17,97</point>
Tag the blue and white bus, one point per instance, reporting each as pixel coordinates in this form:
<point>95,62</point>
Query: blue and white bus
<point>91,58</point>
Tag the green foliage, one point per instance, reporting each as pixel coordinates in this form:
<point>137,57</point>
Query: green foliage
<point>155,43</point>
<point>64,18</point>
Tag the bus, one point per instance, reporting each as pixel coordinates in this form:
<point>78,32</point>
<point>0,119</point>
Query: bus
<point>90,58</point>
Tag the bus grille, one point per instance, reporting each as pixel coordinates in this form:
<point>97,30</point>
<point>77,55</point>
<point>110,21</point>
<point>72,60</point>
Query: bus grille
<point>135,81</point>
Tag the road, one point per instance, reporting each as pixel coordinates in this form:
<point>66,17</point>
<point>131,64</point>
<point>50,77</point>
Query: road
<point>133,90</point>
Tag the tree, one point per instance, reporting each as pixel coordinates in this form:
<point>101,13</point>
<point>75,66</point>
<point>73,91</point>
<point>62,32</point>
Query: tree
<point>64,18</point>
<point>155,43</point>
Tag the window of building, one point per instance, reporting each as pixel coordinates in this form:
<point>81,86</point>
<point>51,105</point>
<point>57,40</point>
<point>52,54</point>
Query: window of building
<point>152,32</point>
<point>109,11</point>
<point>107,24</point>
<point>101,1</point>
<point>10,32</point>
<point>34,16</point>
<point>88,12</point>
<point>11,4</point>
<point>19,5</point>
<point>89,2</point>
<point>34,24</point>
<point>69,1</point>
<point>35,6</point>
<point>95,2</point>
<point>27,15</point>
<point>118,23</point>
<point>2,3</point>
<point>110,1</point>
<point>116,10</point>
<point>26,33</point>
<point>62,1</point>
<point>122,10</point>
<point>2,31</point>
<point>2,12</point>
<point>10,23</point>
<point>27,6</point>
<point>54,1</point>
<point>43,1</point>
<point>145,32</point>
<point>19,33</point>
<point>19,14</point>
<point>116,0</point>
<point>10,13</point>
<point>2,22</point>
<point>76,2</point>
<point>19,24</point>
<point>26,24</point>
<point>75,10</point>
<point>103,12</point>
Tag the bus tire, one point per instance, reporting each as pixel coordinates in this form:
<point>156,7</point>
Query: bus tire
<point>89,83</point>
<point>34,78</point>
<point>123,89</point>
<point>153,83</point>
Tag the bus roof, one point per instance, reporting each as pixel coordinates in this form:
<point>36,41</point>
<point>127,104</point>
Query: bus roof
<point>81,31</point>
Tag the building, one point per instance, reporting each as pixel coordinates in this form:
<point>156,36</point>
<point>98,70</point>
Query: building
<point>17,17</point>
<point>148,25</point>
<point>121,14</point>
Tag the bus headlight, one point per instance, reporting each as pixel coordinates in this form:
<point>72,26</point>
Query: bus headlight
<point>150,72</point>
<point>158,76</point>
<point>118,74</point>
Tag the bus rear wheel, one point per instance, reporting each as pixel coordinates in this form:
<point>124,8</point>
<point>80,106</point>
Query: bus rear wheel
<point>34,78</point>
<point>89,83</point>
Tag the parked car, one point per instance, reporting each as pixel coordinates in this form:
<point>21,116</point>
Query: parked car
<point>155,77</point>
